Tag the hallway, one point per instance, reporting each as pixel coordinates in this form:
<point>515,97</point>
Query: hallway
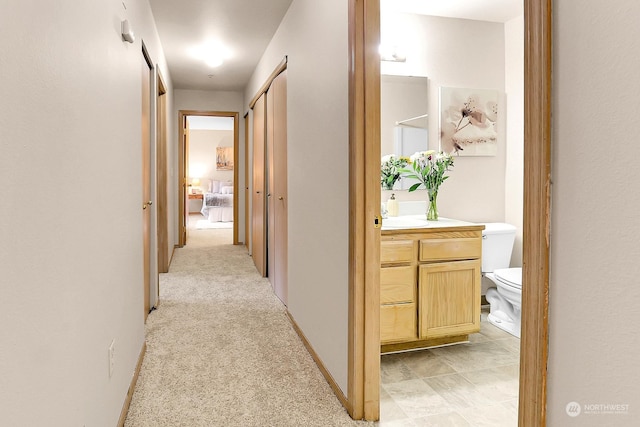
<point>222,352</point>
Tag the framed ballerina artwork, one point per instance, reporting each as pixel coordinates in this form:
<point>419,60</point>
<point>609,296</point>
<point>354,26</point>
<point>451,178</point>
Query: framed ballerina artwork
<point>468,121</point>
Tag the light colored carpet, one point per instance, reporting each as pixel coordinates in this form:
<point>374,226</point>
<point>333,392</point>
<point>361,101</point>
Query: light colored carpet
<point>204,224</point>
<point>222,352</point>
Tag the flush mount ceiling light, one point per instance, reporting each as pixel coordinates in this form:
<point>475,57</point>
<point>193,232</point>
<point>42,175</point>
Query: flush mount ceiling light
<point>213,53</point>
<point>392,53</point>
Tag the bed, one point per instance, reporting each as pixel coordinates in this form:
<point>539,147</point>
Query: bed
<point>217,204</point>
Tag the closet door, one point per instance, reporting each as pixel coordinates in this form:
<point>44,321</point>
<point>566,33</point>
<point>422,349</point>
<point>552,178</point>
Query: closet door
<point>278,186</point>
<point>271,228</point>
<point>279,87</point>
<point>258,217</point>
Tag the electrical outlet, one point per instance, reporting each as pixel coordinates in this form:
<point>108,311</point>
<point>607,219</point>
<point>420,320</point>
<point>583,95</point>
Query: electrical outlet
<point>112,360</point>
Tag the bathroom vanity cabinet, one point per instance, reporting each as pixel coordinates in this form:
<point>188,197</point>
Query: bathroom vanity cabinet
<point>429,284</point>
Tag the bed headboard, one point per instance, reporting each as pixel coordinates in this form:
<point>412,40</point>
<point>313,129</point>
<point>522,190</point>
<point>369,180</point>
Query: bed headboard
<point>216,186</point>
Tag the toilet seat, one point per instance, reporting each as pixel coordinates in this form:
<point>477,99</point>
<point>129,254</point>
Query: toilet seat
<point>510,277</point>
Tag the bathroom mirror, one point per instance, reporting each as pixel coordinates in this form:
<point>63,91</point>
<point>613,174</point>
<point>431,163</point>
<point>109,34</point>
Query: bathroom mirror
<point>403,117</point>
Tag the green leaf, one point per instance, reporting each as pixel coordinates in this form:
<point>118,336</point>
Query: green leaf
<point>414,187</point>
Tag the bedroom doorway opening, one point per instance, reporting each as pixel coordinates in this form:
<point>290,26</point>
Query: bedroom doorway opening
<point>208,175</point>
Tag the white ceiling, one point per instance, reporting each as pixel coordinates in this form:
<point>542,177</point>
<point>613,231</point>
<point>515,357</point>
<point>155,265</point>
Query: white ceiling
<point>479,10</point>
<point>210,123</point>
<point>244,26</point>
<point>247,26</point>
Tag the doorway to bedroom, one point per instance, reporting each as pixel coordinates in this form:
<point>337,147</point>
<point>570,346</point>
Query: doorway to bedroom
<point>208,173</point>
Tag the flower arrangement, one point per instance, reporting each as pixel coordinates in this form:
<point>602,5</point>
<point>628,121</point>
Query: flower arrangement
<point>390,170</point>
<point>429,167</point>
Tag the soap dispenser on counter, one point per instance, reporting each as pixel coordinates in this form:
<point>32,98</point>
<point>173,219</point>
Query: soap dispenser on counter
<point>392,206</point>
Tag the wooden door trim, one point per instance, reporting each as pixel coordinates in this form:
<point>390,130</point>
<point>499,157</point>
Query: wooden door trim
<point>182,168</point>
<point>182,184</point>
<point>146,107</point>
<point>363,398</point>
<point>246,181</point>
<point>265,86</point>
<point>363,391</point>
<point>161,197</point>
<point>534,344</point>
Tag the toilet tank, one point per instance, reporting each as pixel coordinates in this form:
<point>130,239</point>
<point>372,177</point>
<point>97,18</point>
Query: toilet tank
<point>497,244</point>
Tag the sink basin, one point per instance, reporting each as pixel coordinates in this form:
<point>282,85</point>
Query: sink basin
<point>408,221</point>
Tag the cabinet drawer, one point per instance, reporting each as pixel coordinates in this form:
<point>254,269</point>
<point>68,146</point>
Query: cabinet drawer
<point>450,249</point>
<point>398,322</point>
<point>397,284</point>
<point>396,251</point>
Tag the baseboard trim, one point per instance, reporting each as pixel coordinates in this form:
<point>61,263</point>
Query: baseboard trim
<point>132,387</point>
<point>327,375</point>
<point>172,254</point>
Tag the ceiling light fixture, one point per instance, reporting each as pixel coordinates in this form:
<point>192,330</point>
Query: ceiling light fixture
<point>213,53</point>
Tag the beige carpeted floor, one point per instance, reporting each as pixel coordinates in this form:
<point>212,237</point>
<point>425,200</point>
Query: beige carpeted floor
<point>221,350</point>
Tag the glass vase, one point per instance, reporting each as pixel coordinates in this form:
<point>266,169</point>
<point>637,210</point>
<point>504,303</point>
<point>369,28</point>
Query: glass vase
<point>432,206</point>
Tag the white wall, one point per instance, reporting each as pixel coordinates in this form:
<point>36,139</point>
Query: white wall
<point>202,154</point>
<point>594,293</point>
<point>455,53</point>
<point>314,36</point>
<point>514,89</point>
<point>71,263</point>
<point>203,100</point>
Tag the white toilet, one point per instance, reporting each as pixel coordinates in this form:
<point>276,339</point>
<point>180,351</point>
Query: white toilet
<point>506,297</point>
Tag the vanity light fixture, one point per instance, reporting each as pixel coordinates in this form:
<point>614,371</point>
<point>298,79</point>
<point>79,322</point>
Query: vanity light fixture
<point>392,54</point>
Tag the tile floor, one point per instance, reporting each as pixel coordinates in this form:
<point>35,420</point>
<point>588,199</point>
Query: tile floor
<point>474,384</point>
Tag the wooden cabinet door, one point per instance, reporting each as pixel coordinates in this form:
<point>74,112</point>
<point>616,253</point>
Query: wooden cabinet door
<point>449,298</point>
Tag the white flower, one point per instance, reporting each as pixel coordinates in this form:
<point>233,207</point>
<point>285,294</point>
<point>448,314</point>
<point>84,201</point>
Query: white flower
<point>429,168</point>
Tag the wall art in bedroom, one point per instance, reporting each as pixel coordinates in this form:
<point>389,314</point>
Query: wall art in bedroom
<point>224,158</point>
<point>468,121</point>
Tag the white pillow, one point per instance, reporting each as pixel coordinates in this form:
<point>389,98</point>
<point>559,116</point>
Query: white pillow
<point>227,190</point>
<point>215,187</point>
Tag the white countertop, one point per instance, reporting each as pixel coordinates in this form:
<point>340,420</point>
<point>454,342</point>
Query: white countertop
<point>406,222</point>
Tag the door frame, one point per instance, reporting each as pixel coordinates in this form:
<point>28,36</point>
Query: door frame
<point>182,169</point>
<point>149,226</point>
<point>246,182</point>
<point>162,206</point>
<point>363,375</point>
<point>364,136</point>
